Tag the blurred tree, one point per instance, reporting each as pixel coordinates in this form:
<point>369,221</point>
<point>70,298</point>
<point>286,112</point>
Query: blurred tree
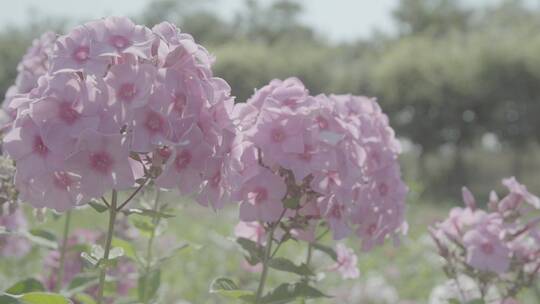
<point>434,17</point>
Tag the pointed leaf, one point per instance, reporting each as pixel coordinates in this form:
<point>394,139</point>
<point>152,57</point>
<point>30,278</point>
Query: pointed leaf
<point>116,252</point>
<point>253,252</point>
<point>5,299</point>
<point>100,208</point>
<point>25,286</point>
<point>82,281</point>
<point>227,288</point>
<point>43,298</point>
<point>284,264</point>
<point>148,285</point>
<point>44,234</point>
<point>129,249</point>
<point>286,293</point>
<point>326,249</point>
<point>84,298</point>
<point>148,212</point>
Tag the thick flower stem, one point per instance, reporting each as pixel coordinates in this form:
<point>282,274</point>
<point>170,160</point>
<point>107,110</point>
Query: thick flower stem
<point>107,249</point>
<point>266,258</point>
<point>63,250</point>
<point>155,222</point>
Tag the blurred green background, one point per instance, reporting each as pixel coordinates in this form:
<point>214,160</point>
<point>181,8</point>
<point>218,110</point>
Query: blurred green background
<point>460,83</point>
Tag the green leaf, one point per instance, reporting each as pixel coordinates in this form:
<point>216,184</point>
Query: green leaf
<point>97,252</point>
<point>39,240</point>
<point>25,286</point>
<point>454,301</point>
<point>173,253</point>
<point>5,299</point>
<point>291,203</point>
<point>253,252</point>
<point>148,285</point>
<point>145,225</point>
<point>116,252</point>
<point>82,281</point>
<point>284,264</point>
<point>326,249</point>
<point>129,249</point>
<point>227,288</point>
<point>83,298</point>
<point>148,212</point>
<point>43,298</point>
<point>286,293</point>
<point>42,233</point>
<point>98,206</point>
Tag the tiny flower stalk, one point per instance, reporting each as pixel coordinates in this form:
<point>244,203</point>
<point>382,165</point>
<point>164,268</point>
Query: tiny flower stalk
<point>63,251</point>
<point>266,258</point>
<point>103,271</point>
<point>155,221</point>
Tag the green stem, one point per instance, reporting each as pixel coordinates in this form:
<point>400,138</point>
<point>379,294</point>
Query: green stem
<point>264,274</point>
<point>155,221</point>
<point>309,254</point>
<point>60,277</point>
<point>107,249</point>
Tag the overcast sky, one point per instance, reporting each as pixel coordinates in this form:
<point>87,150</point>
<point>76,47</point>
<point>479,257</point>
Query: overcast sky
<point>340,20</point>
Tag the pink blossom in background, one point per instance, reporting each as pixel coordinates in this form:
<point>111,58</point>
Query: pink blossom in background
<point>88,105</point>
<point>492,246</point>
<point>346,262</point>
<point>13,221</point>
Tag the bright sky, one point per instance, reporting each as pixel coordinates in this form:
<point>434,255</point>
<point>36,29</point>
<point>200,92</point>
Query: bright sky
<point>340,20</point>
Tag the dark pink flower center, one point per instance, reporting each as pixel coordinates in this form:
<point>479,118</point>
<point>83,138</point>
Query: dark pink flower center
<point>165,152</point>
<point>291,103</point>
<point>306,155</point>
<point>322,122</point>
<point>487,248</point>
<point>179,102</point>
<point>101,162</point>
<point>39,146</point>
<point>120,42</point>
<point>62,180</point>
<point>277,135</point>
<point>127,91</point>
<point>214,181</point>
<point>383,189</point>
<point>371,229</point>
<point>182,160</point>
<point>336,211</point>
<point>260,195</point>
<point>67,113</point>
<point>81,53</point>
<point>154,122</point>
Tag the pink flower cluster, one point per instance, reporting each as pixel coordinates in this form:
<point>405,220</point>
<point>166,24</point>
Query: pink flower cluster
<point>124,273</point>
<point>113,102</point>
<point>333,157</point>
<point>503,240</point>
<point>34,64</point>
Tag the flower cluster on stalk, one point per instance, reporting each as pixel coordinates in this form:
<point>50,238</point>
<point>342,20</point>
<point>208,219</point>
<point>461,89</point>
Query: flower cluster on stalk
<point>498,247</point>
<point>112,104</point>
<point>303,160</point>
